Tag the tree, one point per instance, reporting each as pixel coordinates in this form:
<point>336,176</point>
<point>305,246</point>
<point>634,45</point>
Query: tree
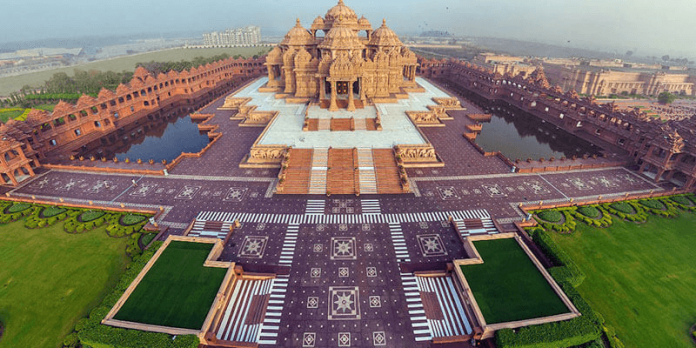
<point>666,98</point>
<point>629,53</point>
<point>665,58</point>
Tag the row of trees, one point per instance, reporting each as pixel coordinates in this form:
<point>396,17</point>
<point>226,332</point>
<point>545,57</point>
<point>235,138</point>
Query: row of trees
<point>69,88</point>
<point>165,67</point>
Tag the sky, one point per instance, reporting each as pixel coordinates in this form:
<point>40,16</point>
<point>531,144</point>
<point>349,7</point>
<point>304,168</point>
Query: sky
<point>648,27</point>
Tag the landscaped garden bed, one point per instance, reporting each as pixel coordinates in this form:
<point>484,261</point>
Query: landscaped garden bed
<point>508,286</point>
<point>610,270</point>
<point>52,277</point>
<point>177,291</point>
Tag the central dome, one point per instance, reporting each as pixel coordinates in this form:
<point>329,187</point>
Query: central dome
<point>342,37</point>
<point>341,11</point>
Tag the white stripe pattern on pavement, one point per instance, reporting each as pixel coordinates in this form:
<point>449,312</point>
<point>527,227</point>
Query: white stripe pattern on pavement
<point>399,241</point>
<point>419,322</point>
<point>289,245</point>
<point>320,218</point>
<point>271,322</point>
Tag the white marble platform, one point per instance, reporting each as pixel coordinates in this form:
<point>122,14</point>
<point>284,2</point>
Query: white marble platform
<point>397,128</point>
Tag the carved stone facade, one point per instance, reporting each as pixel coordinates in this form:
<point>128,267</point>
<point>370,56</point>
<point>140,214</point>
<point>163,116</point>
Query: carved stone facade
<point>342,64</point>
<point>664,150</point>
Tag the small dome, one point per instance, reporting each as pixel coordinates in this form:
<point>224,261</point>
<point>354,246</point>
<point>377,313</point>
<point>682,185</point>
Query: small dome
<point>364,22</point>
<point>341,11</point>
<point>318,22</point>
<point>384,36</point>
<point>298,36</point>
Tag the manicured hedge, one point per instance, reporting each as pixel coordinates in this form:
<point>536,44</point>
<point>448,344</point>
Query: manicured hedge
<point>132,219</point>
<point>550,215</point>
<point>6,216</point>
<point>38,219</point>
<point>18,207</point>
<point>637,212</point>
<point>558,256</point>
<point>92,333</point>
<point>682,200</point>
<point>567,226</point>
<point>623,207</point>
<point>52,211</point>
<point>589,211</point>
<point>652,204</point>
<point>91,215</point>
<point>601,219</point>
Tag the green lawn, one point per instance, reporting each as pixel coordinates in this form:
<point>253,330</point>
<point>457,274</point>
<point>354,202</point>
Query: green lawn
<point>508,286</point>
<point>6,114</point>
<point>14,83</point>
<point>641,277</point>
<point>50,279</point>
<point>177,291</point>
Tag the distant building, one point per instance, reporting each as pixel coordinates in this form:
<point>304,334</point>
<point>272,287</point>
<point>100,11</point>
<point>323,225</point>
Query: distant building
<point>247,36</point>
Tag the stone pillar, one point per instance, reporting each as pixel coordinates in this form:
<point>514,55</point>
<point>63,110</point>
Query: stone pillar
<point>31,171</point>
<point>12,177</point>
<point>659,174</point>
<point>351,101</point>
<point>642,167</point>
<point>333,106</point>
<point>690,184</point>
<point>322,89</point>
<point>361,87</point>
<point>271,76</point>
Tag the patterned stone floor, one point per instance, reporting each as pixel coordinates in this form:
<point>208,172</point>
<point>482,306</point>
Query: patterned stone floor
<point>342,256</point>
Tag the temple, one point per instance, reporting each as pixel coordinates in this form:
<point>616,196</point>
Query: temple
<point>341,59</point>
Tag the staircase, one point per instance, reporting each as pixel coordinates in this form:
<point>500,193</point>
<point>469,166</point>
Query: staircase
<point>360,124</point>
<point>317,179</point>
<point>342,171</point>
<point>341,176</point>
<point>366,171</point>
<point>324,124</point>
<point>386,172</point>
<point>298,172</point>
<point>468,227</point>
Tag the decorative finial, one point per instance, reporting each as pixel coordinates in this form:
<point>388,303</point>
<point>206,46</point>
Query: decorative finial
<point>297,23</point>
<point>384,22</point>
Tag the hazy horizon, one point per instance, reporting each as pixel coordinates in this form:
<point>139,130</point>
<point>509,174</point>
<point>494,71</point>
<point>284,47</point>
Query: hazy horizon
<point>646,27</point>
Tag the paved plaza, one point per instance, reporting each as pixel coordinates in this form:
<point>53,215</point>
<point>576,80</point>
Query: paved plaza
<point>346,264</point>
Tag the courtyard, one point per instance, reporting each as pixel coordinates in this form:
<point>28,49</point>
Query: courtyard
<point>327,197</point>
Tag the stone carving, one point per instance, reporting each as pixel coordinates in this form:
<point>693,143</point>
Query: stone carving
<point>448,103</point>
<point>416,153</point>
<point>267,154</point>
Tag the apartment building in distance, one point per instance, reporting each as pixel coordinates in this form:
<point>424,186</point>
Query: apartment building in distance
<point>246,36</point>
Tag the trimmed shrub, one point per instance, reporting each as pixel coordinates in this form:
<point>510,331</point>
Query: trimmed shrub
<point>17,207</point>
<point>652,204</point>
<point>602,219</point>
<point>558,256</point>
<point>589,211</point>
<point>52,211</point>
<point>132,219</point>
<point>681,200</point>
<point>550,215</point>
<point>90,215</point>
<point>623,207</point>
<point>71,340</point>
<point>132,247</point>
